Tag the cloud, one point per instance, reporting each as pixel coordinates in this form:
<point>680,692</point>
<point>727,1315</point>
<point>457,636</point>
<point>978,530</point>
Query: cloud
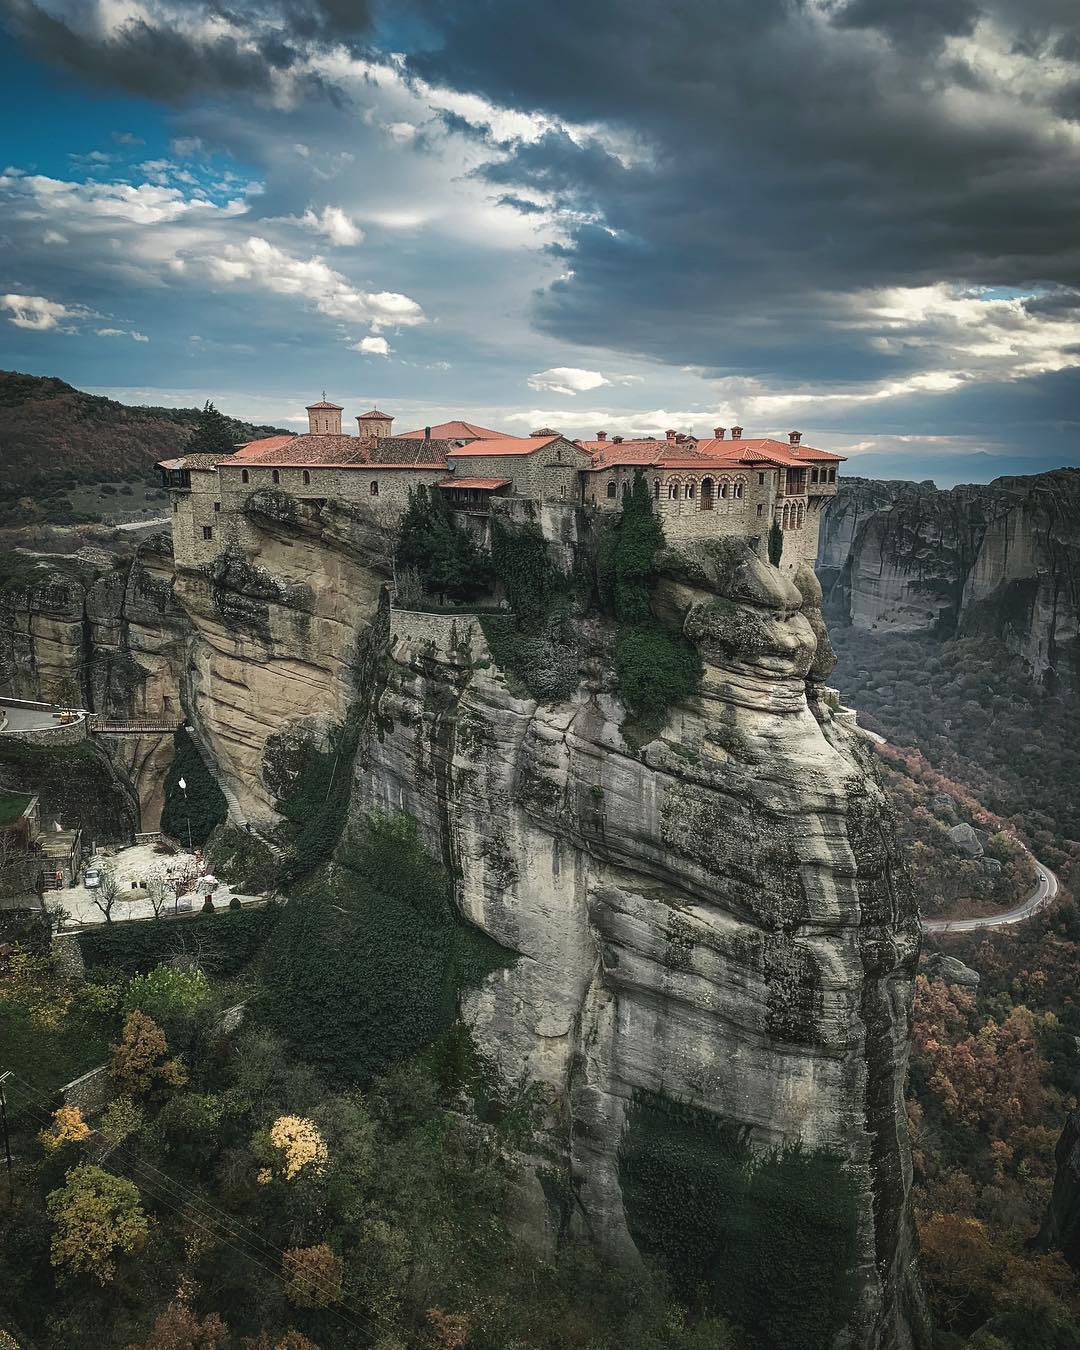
<point>127,138</point>
<point>110,332</point>
<point>334,224</point>
<point>372,346</point>
<point>265,265</point>
<point>35,312</point>
<point>567,380</point>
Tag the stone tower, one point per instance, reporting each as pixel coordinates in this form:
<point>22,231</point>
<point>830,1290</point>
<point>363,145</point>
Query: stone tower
<point>375,423</point>
<point>324,418</point>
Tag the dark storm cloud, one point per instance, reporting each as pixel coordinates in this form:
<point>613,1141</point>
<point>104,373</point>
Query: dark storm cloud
<point>792,160</point>
<point>158,58</point>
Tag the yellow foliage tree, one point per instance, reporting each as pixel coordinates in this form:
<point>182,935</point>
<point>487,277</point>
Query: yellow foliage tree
<point>68,1127</point>
<point>139,1064</point>
<point>96,1218</point>
<point>298,1144</point>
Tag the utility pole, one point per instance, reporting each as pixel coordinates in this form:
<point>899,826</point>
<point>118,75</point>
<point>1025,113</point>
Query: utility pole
<point>187,811</point>
<point>4,1125</point>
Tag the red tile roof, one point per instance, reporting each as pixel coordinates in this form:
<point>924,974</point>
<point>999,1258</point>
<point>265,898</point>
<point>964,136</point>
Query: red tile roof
<point>503,445</point>
<point>456,431</point>
<point>483,484</point>
<point>340,449</point>
<point>205,463</point>
<point>324,403</point>
<point>252,451</point>
<point>375,416</point>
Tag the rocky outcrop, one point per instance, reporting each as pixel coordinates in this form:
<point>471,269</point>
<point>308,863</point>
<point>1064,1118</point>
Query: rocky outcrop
<point>719,918</point>
<point>1002,559</point>
<point>1061,1229</point>
<point>275,629</point>
<point>110,636</point>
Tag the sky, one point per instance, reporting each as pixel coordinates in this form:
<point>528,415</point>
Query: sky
<point>854,218</point>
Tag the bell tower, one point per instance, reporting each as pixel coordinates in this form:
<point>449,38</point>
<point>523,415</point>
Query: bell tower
<point>324,418</point>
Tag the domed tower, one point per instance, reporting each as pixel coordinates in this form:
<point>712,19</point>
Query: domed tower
<point>375,423</point>
<point>324,418</point>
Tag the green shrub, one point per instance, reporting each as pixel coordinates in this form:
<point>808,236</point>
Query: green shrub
<point>776,543</point>
<point>766,1239</point>
<point>205,805</point>
<point>317,802</point>
<point>166,992</point>
<point>226,942</point>
<point>447,558</point>
<point>655,667</point>
<point>363,975</point>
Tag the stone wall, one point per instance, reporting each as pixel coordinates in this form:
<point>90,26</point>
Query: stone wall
<point>458,633</point>
<point>70,733</point>
<point>91,1092</point>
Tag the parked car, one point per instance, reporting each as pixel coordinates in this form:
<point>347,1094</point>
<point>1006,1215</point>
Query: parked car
<point>92,879</point>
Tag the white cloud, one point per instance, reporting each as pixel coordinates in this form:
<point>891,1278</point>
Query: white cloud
<point>36,312</point>
<point>372,346</point>
<point>567,380</point>
<point>185,147</point>
<point>110,332</point>
<point>274,269</point>
<point>53,237</point>
<point>333,223</point>
<point>139,337</point>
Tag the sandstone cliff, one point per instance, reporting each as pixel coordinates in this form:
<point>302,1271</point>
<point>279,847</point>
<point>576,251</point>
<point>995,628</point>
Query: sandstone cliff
<point>719,919</point>
<point>1003,558</point>
<point>109,637</point>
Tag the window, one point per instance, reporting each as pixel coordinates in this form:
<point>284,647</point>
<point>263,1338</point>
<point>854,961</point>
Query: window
<point>166,703</point>
<point>690,492</point>
<point>832,475</point>
<point>723,490</point>
<point>208,532</point>
<point>373,490</point>
<point>175,505</point>
<point>759,509</point>
<point>673,492</point>
<point>611,489</point>
<point>217,506</point>
<point>307,478</point>
<point>813,475</point>
<point>706,494</point>
<point>276,476</point>
<point>736,491</point>
<point>243,475</point>
<point>656,489</point>
<point>562,490</point>
<point>761,480</point>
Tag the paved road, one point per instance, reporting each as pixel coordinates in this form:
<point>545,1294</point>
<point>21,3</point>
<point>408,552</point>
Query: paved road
<point>1046,887</point>
<point>142,524</point>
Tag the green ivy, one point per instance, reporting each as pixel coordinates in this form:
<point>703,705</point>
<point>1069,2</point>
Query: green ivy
<point>205,805</point>
<point>318,801</point>
<point>776,543</point>
<point>226,941</point>
<point>366,972</point>
<point>767,1239</point>
<point>447,558</point>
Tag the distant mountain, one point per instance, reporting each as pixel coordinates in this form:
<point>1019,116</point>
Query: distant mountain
<point>48,428</point>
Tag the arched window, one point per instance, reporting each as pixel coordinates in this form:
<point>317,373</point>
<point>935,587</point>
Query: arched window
<point>625,490</point>
<point>276,476</point>
<point>690,492</point>
<point>802,513</point>
<point>656,489</point>
<point>736,491</point>
<point>243,475</point>
<point>786,522</point>
<point>673,492</point>
<point>612,490</point>
<point>373,490</point>
<point>723,491</point>
<point>706,494</point>
<point>307,478</point>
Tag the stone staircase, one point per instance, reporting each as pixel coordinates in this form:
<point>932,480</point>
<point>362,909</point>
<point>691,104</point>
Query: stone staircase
<point>236,814</point>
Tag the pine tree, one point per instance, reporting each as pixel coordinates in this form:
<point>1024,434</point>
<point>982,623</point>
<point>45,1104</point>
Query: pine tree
<point>776,543</point>
<point>214,434</point>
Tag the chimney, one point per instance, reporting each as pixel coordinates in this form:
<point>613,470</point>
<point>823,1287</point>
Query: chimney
<point>719,433</point>
<point>601,435</point>
<point>427,433</point>
<point>670,435</point>
<point>794,437</point>
<point>736,433</point>
<point>616,440</point>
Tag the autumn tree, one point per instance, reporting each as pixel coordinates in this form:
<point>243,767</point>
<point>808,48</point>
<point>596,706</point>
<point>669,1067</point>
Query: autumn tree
<point>178,1328</point>
<point>97,1217</point>
<point>292,1143</point>
<point>312,1276</point>
<point>139,1064</point>
<point>68,1127</point>
<point>959,1266</point>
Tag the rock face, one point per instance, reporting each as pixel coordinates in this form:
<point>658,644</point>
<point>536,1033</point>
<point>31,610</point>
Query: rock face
<point>1061,1229</point>
<point>109,638</point>
<point>1003,558</point>
<point>721,917</point>
<point>952,971</point>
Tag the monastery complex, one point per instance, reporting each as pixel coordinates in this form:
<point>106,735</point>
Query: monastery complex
<point>701,488</point>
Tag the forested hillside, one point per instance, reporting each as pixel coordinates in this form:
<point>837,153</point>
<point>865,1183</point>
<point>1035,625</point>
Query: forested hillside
<point>48,428</point>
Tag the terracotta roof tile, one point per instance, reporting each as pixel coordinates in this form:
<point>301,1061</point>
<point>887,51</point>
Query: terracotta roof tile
<point>504,445</point>
<point>324,403</point>
<point>456,431</point>
<point>375,415</point>
<point>484,484</point>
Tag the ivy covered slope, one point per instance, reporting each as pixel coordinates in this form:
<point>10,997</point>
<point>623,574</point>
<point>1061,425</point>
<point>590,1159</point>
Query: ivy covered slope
<point>705,901</point>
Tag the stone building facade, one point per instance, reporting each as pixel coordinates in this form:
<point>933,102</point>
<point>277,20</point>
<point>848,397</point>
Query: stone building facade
<point>701,488</point>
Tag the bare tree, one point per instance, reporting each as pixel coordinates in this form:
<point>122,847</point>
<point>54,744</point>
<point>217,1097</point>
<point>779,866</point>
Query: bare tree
<point>107,893</point>
<point>182,883</point>
<point>159,891</point>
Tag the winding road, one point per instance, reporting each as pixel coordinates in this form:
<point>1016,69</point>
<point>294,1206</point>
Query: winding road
<point>1046,887</point>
